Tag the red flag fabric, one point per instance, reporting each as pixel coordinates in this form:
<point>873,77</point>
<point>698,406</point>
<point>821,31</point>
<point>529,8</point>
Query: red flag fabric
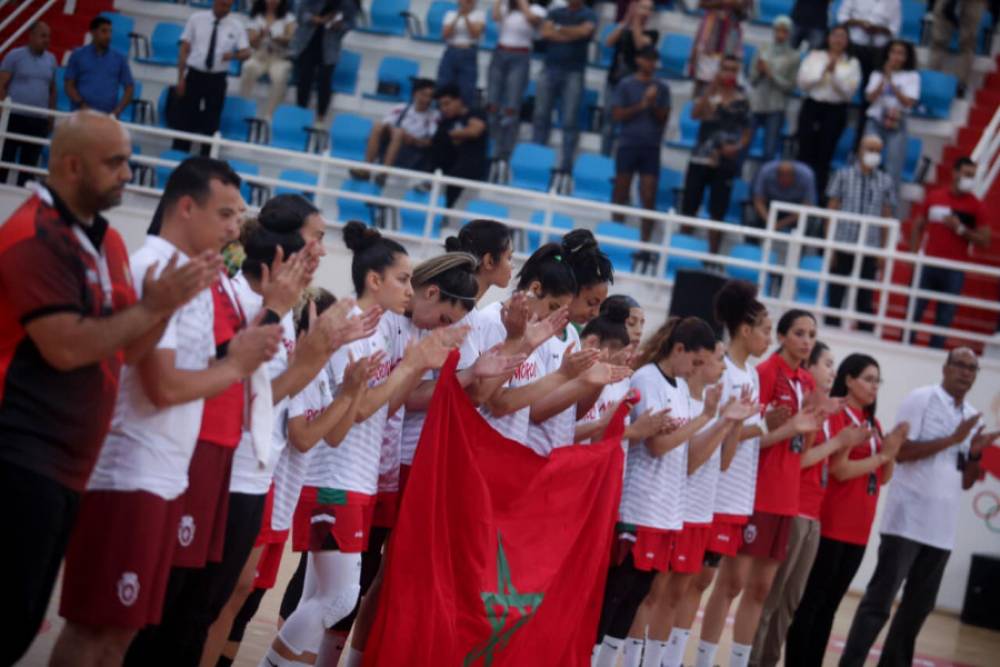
<point>499,556</point>
<point>991,460</point>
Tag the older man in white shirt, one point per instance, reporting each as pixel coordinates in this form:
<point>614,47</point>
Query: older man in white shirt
<point>940,458</point>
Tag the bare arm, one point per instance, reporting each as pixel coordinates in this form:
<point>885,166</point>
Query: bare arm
<point>917,232</point>
<point>661,444</point>
<point>844,468</point>
<point>980,236</point>
<point>704,444</point>
<point>167,385</point>
<point>730,445</point>
<point>331,425</point>
<point>125,101</point>
<point>4,82</point>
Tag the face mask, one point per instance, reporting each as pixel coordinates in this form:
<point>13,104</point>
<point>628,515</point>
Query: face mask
<point>871,159</point>
<point>727,80</point>
<point>966,184</point>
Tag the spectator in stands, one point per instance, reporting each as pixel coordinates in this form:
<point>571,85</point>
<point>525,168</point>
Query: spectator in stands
<point>828,79</point>
<point>891,93</point>
<point>567,30</point>
<point>720,34</point>
<point>28,75</point>
<point>403,137</point>
<point>461,30</point>
<point>724,134</point>
<point>641,103</point>
<point>772,81</point>
<point>788,181</point>
<point>459,144</point>
<point>211,39</point>
<point>954,219</point>
<point>270,32</point>
<point>627,37</point>
<point>966,17</point>
<point>96,72</point>
<point>863,189</point>
<point>517,21</point>
<point>872,23</point>
<point>811,18</point>
<point>320,26</point>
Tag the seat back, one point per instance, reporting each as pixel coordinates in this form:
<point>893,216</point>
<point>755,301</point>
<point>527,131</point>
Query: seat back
<point>531,166</point>
<point>411,221</point>
<point>592,176</point>
<point>121,27</point>
<point>559,221</point>
<point>349,136</point>
<point>666,195</point>
<point>620,256</point>
<point>807,290</point>
<point>486,209</point>
<point>914,148</point>
<point>749,252</point>
<point>684,242</point>
<point>434,21</point>
<point>164,44</point>
<point>675,54</point>
<point>911,27</point>
<point>345,74</point>
<point>386,16</point>
<point>235,111</point>
<point>398,71</point>
<point>354,209</point>
<point>245,169</point>
<point>937,90</point>
<point>288,127</point>
<point>297,176</point>
<point>163,171</point>
<point>844,148</point>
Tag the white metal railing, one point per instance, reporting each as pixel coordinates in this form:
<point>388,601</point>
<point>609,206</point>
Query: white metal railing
<point>986,155</point>
<point>782,281</point>
<point>25,24</point>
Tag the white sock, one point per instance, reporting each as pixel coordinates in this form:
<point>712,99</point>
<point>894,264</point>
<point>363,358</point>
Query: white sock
<point>740,655</point>
<point>706,654</point>
<point>674,655</point>
<point>654,653</point>
<point>607,655</point>
<point>352,657</point>
<point>633,652</point>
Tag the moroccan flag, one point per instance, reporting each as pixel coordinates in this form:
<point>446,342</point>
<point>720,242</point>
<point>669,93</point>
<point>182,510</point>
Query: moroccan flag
<point>499,555</point>
<point>991,460</point>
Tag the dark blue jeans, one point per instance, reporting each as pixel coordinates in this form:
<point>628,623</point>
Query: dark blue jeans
<point>937,279</point>
<point>458,66</point>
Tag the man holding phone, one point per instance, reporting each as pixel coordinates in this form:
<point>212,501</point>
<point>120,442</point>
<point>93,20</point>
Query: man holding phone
<point>955,220</point>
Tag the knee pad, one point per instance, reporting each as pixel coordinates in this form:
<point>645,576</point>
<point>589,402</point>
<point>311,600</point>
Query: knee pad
<point>340,604</point>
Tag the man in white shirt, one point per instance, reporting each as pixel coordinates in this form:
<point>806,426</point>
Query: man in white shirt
<point>403,137</point>
<point>211,39</point>
<point>130,520</point>
<point>940,456</point>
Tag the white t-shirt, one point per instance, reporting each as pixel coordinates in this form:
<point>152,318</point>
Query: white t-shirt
<point>270,33</point>
<point>611,395</point>
<point>392,327</point>
<point>293,466</point>
<point>461,36</point>
<point>247,475</point>
<point>515,30</point>
<point>906,82</point>
<point>652,495</point>
<point>816,84</point>
<point>489,331</point>
<point>150,448</point>
<point>229,37</point>
<point>923,497</point>
<point>737,484</point>
<point>559,429</point>
<point>354,464</point>
<point>700,486</point>
<point>419,124</point>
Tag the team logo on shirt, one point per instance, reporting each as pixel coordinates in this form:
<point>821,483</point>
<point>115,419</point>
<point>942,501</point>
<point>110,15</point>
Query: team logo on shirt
<point>128,588</point>
<point>185,532</point>
<point>750,533</point>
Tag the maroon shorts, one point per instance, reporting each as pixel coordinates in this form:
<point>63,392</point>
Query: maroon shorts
<point>118,559</point>
<point>726,536</point>
<point>651,548</point>
<point>766,536</point>
<point>689,549</point>
<point>386,509</point>
<point>202,532</point>
<point>334,520</point>
<point>270,562</point>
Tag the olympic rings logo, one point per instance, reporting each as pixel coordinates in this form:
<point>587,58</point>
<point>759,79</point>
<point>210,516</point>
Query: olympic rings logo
<point>986,505</point>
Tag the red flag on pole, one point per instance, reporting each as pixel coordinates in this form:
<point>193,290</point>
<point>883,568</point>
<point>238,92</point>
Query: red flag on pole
<point>499,556</point>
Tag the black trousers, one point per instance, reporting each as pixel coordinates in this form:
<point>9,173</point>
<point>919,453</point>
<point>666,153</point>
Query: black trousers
<point>899,559</point>
<point>201,106</point>
<point>310,71</point>
<point>870,59</point>
<point>196,596</point>
<point>820,127</point>
<point>624,591</point>
<point>293,591</point>
<point>21,151</point>
<point>835,565</point>
<point>718,180</point>
<point>843,265</point>
<point>41,513</point>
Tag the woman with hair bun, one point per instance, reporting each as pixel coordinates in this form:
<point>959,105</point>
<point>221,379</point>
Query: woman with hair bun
<point>636,320</point>
<point>593,272</point>
<point>492,244</point>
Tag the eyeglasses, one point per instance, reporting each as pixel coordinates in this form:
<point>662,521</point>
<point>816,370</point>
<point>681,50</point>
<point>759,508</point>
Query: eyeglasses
<point>972,368</point>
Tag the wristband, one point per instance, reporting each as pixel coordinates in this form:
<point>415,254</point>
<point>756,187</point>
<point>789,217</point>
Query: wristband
<point>270,317</point>
<point>763,426</point>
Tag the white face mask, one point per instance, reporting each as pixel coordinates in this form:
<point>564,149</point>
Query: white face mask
<point>871,159</point>
<point>966,184</point>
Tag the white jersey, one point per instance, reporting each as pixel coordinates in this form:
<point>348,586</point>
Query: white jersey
<point>393,327</point>
<point>652,495</point>
<point>490,331</point>
<point>150,448</point>
<point>611,395</point>
<point>559,429</point>
<point>738,483</point>
<point>700,486</point>
<point>293,466</point>
<point>248,476</point>
<point>354,464</point>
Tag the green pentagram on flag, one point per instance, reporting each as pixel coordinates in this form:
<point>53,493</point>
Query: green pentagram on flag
<point>503,601</point>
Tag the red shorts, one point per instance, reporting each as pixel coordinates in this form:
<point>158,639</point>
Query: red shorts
<point>118,559</point>
<point>334,520</point>
<point>726,536</point>
<point>266,535</point>
<point>404,477</point>
<point>689,549</point>
<point>386,509</point>
<point>651,548</point>
<point>202,531</point>
<point>766,536</point>
<point>270,562</point>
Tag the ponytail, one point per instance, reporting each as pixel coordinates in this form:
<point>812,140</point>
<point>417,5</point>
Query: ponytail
<point>693,333</point>
<point>590,265</point>
<point>372,252</point>
<point>548,266</point>
<point>480,238</point>
<point>609,325</point>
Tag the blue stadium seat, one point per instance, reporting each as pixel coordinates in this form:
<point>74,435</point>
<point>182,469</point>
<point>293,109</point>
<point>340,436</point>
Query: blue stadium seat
<point>163,172</point>
<point>750,253</point>
<point>480,208</point>
<point>411,221</point>
<point>592,176</point>
<point>684,242</point>
<point>353,209</point>
<point>121,27</point>
<point>62,99</point>
<point>398,73</point>
<point>130,113</point>
<point>491,34</point>
<point>559,221</point>
<point>807,290</point>
<point>385,17</point>
<point>235,112</point>
<point>937,90</point>
<point>434,20</point>
<point>246,169</point>
<point>531,166</point>
<point>604,52</point>
<point>675,54</point>
<point>288,127</point>
<point>666,192</point>
<point>844,148</point>
<point>349,136</point>
<point>739,196</point>
<point>297,176</point>
<point>620,256</point>
<point>749,51</point>
<point>345,74</point>
<point>164,45</point>
<point>913,12</point>
<point>768,10</point>
<point>688,128</point>
<point>914,149</point>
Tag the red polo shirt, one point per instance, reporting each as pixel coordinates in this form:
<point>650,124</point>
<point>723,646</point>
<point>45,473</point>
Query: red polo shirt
<point>942,241</point>
<point>222,419</point>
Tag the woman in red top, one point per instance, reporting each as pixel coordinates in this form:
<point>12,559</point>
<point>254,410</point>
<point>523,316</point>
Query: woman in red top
<point>848,508</point>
